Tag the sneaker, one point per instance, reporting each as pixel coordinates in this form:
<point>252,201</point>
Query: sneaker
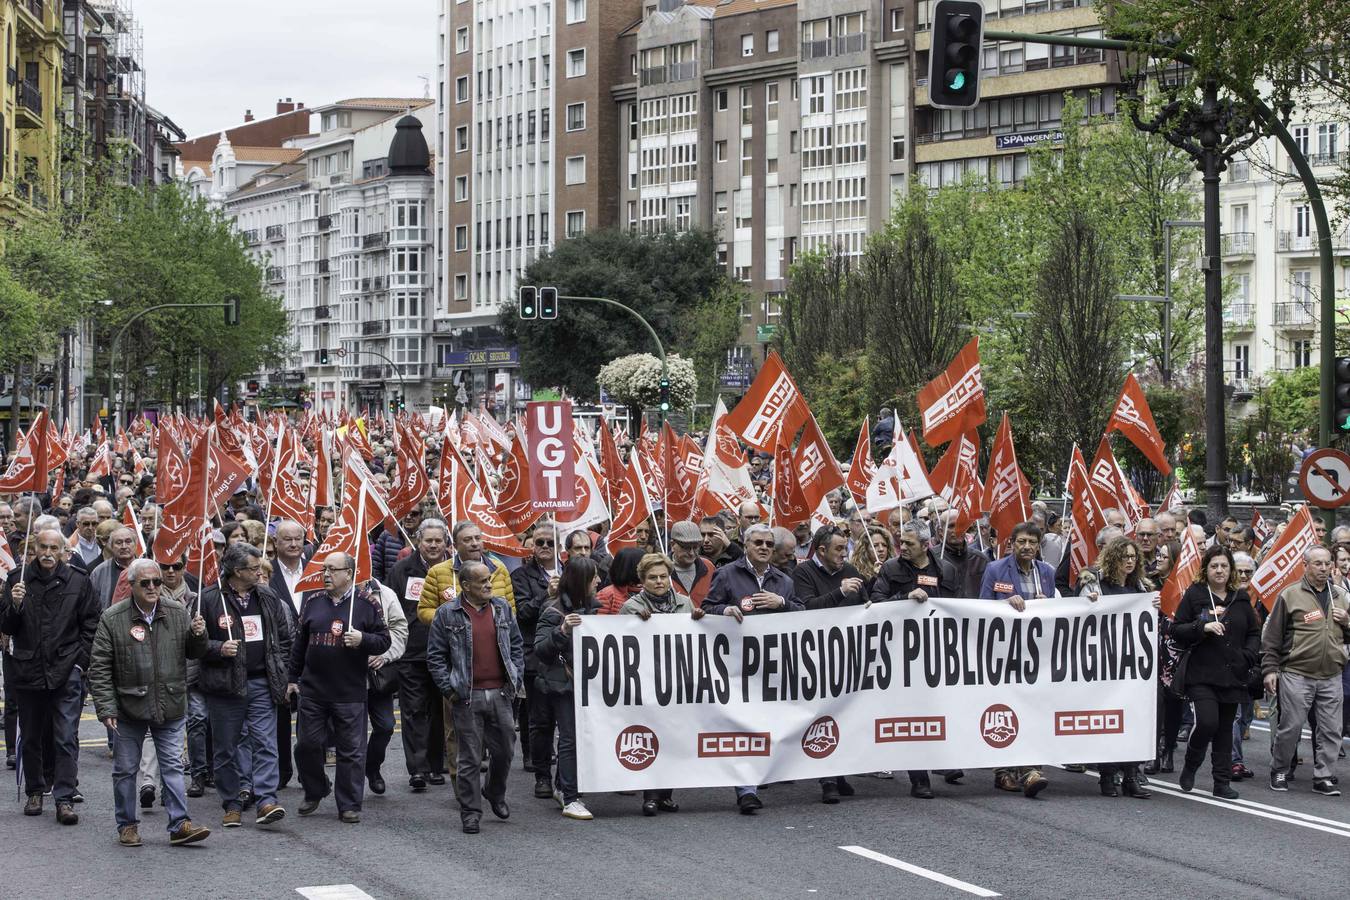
<point>829,793</point>
<point>884,774</point>
<point>1279,781</point>
<point>1321,786</point>
<point>558,798</point>
<point>195,787</point>
<point>232,818</point>
<point>749,803</point>
<point>129,836</point>
<point>187,833</point>
<point>147,797</point>
<point>269,813</point>
<point>1034,783</point>
<point>577,810</point>
<point>66,815</point>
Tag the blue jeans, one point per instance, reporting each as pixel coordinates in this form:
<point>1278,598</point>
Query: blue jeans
<point>228,717</point>
<point>1245,713</point>
<point>128,741</point>
<point>197,727</point>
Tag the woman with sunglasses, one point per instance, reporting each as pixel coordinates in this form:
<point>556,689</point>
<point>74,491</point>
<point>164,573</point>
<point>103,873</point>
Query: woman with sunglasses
<point>1215,622</point>
<point>1121,566</point>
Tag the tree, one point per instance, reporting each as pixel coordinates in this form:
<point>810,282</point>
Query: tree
<point>839,398</point>
<point>814,326</point>
<point>635,381</point>
<point>666,277</point>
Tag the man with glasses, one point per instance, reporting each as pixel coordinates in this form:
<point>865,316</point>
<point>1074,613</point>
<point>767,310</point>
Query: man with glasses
<point>1146,534</point>
<point>340,628</point>
<point>535,585</point>
<point>86,553</point>
<point>693,574</point>
<point>751,586</point>
<point>199,767</point>
<point>138,679</point>
<point>243,677</point>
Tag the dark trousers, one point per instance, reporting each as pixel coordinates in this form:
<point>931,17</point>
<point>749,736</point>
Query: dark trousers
<point>484,721</point>
<point>381,711</point>
<point>11,706</point>
<point>542,723</point>
<point>284,751</point>
<point>1213,727</point>
<point>55,712</point>
<point>562,712</point>
<point>1170,708</point>
<point>346,722</point>
<point>419,705</point>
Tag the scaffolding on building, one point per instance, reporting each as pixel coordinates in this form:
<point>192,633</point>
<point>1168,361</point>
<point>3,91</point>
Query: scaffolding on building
<point>127,135</point>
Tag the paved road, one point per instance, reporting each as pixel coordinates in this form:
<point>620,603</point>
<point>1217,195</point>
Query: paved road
<point>1071,843</point>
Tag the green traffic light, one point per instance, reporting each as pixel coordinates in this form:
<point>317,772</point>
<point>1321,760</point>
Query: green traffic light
<point>528,310</point>
<point>957,81</point>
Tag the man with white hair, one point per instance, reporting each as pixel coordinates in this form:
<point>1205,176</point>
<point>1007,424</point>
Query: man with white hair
<point>122,550</point>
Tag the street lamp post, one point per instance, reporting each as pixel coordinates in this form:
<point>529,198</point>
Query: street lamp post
<point>402,385</point>
<point>1166,299</point>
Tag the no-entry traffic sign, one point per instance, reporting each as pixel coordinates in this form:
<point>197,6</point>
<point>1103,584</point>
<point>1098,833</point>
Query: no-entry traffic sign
<point>1325,478</point>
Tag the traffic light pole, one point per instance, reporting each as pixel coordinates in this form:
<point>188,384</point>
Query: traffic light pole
<point>660,348</point>
<point>402,385</point>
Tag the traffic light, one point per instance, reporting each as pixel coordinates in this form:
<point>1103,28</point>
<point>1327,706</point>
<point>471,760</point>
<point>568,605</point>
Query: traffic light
<point>402,403</point>
<point>323,356</point>
<point>954,60</point>
<point>233,304</point>
<point>529,302</point>
<point>1340,401</point>
<point>548,303</point>
<point>664,401</point>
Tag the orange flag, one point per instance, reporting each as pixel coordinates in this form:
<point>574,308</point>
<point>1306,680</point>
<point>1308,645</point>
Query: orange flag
<point>862,468</point>
<point>460,498</point>
<point>789,504</point>
<point>953,402</point>
<point>772,404</point>
<point>1283,565</point>
<point>1183,574</point>
<point>513,491</point>
<point>1134,419</point>
<point>1007,494</point>
<point>817,471</point>
<point>956,478</point>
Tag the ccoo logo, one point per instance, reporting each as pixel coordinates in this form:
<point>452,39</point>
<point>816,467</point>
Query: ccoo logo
<point>636,747</point>
<point>998,726</point>
<point>821,738</point>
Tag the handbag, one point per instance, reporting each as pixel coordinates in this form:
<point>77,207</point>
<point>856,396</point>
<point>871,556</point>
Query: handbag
<point>384,680</point>
<point>1172,672</point>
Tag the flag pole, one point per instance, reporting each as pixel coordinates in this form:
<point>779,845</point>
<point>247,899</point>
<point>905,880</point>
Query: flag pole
<point>27,537</point>
<point>360,527</point>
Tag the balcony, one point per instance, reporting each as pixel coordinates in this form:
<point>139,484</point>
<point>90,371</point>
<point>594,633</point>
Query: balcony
<point>276,232</point>
<point>443,372</point>
<point>30,105</point>
<point>1239,170</point>
<point>1296,314</point>
<point>1240,316</point>
<point>816,49</point>
<point>1239,243</point>
<point>850,43</point>
<point>1296,242</point>
<point>323,312</point>
<point>374,284</point>
<point>375,373</point>
<point>1327,159</point>
<point>683,71</point>
<point>275,274</point>
<point>35,8</point>
<point>374,327</point>
<point>653,75</point>
<point>325,223</point>
<point>375,241</point>
<point>250,236</point>
<point>323,267</point>
<point>1240,381</point>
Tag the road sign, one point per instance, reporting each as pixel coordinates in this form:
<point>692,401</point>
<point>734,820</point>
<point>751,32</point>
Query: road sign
<point>341,352</point>
<point>1325,478</point>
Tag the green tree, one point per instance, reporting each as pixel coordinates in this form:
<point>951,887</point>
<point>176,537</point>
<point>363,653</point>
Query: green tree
<point>837,391</point>
<point>672,279</point>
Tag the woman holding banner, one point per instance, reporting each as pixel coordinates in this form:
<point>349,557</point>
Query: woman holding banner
<point>624,581</point>
<point>1121,566</point>
<point>1221,640</point>
<point>553,686</point>
<point>655,597</point>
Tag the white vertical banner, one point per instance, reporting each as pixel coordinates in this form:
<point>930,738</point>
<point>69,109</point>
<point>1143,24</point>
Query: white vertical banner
<point>674,703</point>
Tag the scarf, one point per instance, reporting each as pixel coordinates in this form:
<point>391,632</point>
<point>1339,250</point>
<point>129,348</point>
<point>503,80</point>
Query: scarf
<point>662,604</point>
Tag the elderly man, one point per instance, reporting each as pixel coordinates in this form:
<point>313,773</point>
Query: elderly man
<point>784,551</point>
<point>121,551</point>
<point>423,729</point>
<point>535,585</point>
<point>104,510</point>
<point>243,677</point>
<point>693,574</point>
<point>86,553</point>
<point>1148,534</point>
<point>340,628</point>
<point>967,565</point>
<point>1302,657</point>
<point>476,657</point>
<point>138,679</point>
<point>51,615</point>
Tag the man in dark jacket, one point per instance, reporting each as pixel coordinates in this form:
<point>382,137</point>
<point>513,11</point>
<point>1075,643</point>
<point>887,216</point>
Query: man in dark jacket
<point>138,679</point>
<point>418,700</point>
<point>750,586</point>
<point>51,615</point>
<point>287,569</point>
<point>955,548</point>
<point>535,584</point>
<point>386,548</point>
<point>913,570</point>
<point>243,677</point>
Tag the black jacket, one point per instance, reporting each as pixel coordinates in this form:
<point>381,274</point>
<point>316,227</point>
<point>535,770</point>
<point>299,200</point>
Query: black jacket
<point>968,567</point>
<point>553,649</point>
<point>411,568</point>
<point>1218,661</point>
<point>227,676</point>
<point>277,584</point>
<point>530,585</point>
<point>819,589</point>
<point>53,629</point>
<point>384,554</point>
<point>898,577</point>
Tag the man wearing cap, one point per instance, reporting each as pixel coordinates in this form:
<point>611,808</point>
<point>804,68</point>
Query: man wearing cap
<point>535,585</point>
<point>693,573</point>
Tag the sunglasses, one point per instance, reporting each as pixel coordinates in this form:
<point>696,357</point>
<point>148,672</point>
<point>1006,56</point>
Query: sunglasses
<point>150,582</point>
<point>540,542</point>
<point>177,567</point>
<point>761,543</point>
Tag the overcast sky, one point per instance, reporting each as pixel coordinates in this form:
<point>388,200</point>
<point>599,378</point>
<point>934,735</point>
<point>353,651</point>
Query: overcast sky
<point>206,63</point>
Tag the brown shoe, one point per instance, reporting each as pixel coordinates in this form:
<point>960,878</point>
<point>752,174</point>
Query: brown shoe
<point>34,805</point>
<point>1006,782</point>
<point>187,833</point>
<point>1034,783</point>
<point>269,813</point>
<point>129,836</point>
<point>66,815</point>
<point>232,818</point>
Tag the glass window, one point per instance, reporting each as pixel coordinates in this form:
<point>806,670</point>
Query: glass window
<point>576,62</point>
<point>576,11</point>
<point>462,40</point>
<point>771,40</point>
<point>576,170</point>
<point>576,222</point>
<point>747,45</point>
<point>576,116</point>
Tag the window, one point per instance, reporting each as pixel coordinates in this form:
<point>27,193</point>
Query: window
<point>897,148</point>
<point>576,116</point>
<point>747,108</point>
<point>1242,361</point>
<point>721,100</point>
<point>1302,279</point>
<point>1300,133</point>
<point>462,89</point>
<point>793,142</point>
<point>576,222</point>
<point>747,163</point>
<point>461,237</point>
<point>462,39</point>
<point>850,89</point>
<point>817,94</point>
<point>747,45</point>
<point>683,162</point>
<point>1302,220</point>
<point>1327,134</point>
<point>1302,353</point>
<point>576,63</point>
<point>461,287</point>
<point>575,172</point>
<point>719,151</point>
<point>576,11</point>
<point>654,117</point>
<point>771,101</point>
<point>684,211</point>
<point>461,188</point>
<point>654,165</point>
<point>683,112</point>
<point>720,202</point>
<point>897,20</point>
<point>461,138</point>
<point>632,122</point>
<point>771,40</point>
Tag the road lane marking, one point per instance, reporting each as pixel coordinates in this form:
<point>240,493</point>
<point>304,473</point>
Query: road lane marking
<point>333,892</point>
<point>921,872</point>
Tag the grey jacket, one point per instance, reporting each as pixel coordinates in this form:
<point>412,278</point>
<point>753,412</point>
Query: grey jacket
<point>450,649</point>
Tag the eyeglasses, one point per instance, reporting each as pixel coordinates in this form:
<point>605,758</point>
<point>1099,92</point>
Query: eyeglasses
<point>339,568</point>
<point>177,567</point>
<point>1246,573</point>
<point>150,582</point>
<point>541,542</point>
<point>1130,555</point>
<point>1144,534</point>
<point>760,543</point>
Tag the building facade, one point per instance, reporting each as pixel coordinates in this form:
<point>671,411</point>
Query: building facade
<point>30,105</point>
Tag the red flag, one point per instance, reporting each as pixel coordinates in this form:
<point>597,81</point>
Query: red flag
<point>1134,419</point>
<point>7,563</point>
<point>679,497</point>
<point>101,467</point>
<point>956,478</point>
<point>1108,484</point>
<point>171,474</point>
<point>1087,516</point>
<point>228,442</point>
<point>953,402</point>
<point>347,535</point>
<point>1007,494</point>
<point>321,479</point>
<point>727,482</point>
<point>631,506</point>
<point>460,498</point>
<point>1283,565</point>
<point>28,470</point>
<point>862,468</point>
<point>56,447</point>
<point>772,404</point>
<point>590,502</point>
<point>789,505</point>
<point>286,497</point>
<point>553,463</point>
<point>817,471</point>
<point>1183,574</point>
<point>129,520</point>
<point>611,464</point>
<point>513,491</point>
<point>412,483</point>
<point>1263,530</point>
<point>1173,499</point>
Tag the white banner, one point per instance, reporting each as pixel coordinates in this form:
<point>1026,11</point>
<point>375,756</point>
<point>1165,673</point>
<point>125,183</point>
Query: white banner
<point>947,684</point>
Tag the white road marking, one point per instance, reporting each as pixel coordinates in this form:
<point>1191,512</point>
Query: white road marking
<point>921,872</point>
<point>333,892</point>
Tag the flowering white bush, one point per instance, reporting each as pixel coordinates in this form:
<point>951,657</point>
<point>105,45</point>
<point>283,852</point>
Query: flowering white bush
<point>635,380</point>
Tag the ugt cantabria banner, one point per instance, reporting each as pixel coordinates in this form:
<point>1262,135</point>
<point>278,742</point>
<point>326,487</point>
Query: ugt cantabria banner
<point>946,684</point>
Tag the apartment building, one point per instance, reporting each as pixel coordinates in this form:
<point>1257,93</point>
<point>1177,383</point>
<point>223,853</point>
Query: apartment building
<point>30,100</point>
